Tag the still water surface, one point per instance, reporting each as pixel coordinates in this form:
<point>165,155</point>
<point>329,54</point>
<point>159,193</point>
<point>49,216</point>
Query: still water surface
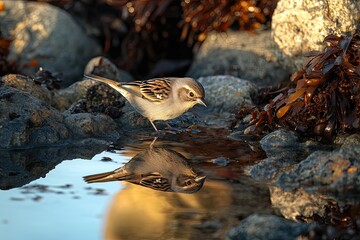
<point>68,208</point>
<point>61,205</point>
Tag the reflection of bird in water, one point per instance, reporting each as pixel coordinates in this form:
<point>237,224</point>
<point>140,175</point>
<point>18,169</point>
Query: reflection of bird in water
<point>157,168</point>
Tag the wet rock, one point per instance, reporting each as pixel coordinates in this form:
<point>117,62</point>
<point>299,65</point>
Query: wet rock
<point>268,227</point>
<point>299,204</point>
<point>243,55</point>
<point>284,143</point>
<point>299,27</point>
<point>60,99</point>
<point>336,171</point>
<point>27,121</point>
<point>279,139</point>
<point>227,93</point>
<point>49,35</point>
<point>287,141</point>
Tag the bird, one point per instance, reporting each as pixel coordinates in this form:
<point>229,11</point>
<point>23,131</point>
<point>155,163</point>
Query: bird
<point>159,98</point>
<point>156,168</point>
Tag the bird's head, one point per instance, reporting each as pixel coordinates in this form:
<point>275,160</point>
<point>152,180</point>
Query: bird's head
<point>191,92</point>
<point>188,184</point>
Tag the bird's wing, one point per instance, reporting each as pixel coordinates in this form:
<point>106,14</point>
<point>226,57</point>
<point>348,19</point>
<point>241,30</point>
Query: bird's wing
<point>155,181</point>
<point>156,90</point>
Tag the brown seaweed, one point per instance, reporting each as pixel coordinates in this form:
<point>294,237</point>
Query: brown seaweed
<point>324,98</point>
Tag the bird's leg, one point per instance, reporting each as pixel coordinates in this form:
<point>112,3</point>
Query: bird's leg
<point>153,125</point>
<point>152,143</point>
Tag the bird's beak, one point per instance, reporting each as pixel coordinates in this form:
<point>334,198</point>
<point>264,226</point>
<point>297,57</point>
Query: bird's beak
<point>201,101</point>
<point>200,179</point>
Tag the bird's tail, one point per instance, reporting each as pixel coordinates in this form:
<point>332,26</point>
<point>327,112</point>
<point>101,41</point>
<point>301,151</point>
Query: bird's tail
<point>115,85</point>
<point>100,177</point>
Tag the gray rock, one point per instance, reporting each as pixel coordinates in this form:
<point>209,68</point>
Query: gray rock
<point>86,125</point>
<point>65,97</point>
<point>49,35</point>
<point>268,227</point>
<point>299,27</point>
<point>336,171</point>
<point>227,93</point>
<point>279,139</point>
<point>27,122</point>
<point>244,55</point>
<point>27,85</point>
<point>284,143</point>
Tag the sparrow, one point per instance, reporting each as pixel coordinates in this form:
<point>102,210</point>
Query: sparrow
<point>159,98</point>
<point>156,168</point>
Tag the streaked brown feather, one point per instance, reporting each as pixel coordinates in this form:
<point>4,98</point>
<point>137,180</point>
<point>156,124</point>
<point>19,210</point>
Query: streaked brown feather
<point>154,90</point>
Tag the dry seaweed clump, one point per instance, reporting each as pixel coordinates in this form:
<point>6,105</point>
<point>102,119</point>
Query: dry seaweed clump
<point>201,17</point>
<point>325,95</point>
<point>50,80</point>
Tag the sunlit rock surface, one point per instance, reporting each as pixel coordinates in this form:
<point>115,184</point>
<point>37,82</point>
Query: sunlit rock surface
<point>299,27</point>
<point>337,171</point>
<point>298,204</point>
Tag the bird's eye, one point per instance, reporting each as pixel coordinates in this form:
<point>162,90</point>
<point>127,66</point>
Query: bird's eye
<point>191,94</point>
<point>188,182</point>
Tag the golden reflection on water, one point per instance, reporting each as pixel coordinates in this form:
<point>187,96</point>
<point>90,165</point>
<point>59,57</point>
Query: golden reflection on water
<point>141,213</point>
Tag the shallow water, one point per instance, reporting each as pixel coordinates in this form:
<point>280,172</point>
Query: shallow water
<point>59,204</point>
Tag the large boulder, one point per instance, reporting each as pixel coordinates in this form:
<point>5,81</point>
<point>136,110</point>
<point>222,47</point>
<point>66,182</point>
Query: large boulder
<point>299,27</point>
<point>49,35</point>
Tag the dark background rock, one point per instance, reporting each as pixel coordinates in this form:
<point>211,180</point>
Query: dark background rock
<point>240,54</point>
